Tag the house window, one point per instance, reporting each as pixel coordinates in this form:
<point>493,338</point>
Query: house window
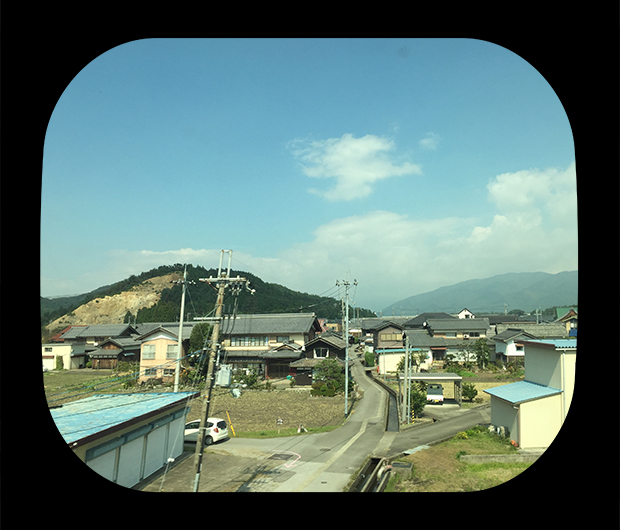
<point>321,352</point>
<point>391,337</point>
<point>148,351</point>
<point>249,341</point>
<point>283,338</point>
<point>171,352</point>
<point>451,334</point>
<point>48,350</point>
<point>168,371</point>
<point>151,372</point>
<point>474,334</point>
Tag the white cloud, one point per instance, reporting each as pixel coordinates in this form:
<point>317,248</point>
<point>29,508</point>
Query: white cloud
<point>393,256</point>
<point>356,164</point>
<point>431,141</point>
<point>552,189</point>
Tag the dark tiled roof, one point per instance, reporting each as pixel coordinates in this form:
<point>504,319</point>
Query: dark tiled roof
<point>270,324</point>
<point>418,321</point>
<point>459,324</point>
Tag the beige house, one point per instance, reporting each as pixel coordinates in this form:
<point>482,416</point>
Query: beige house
<point>158,352</point>
<point>73,355</point>
<point>534,410</point>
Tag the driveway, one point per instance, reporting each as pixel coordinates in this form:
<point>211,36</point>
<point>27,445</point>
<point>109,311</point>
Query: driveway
<point>316,462</point>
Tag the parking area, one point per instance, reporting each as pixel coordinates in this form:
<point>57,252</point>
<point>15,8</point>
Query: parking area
<point>222,471</point>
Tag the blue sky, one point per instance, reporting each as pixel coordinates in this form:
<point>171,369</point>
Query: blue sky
<point>408,164</point>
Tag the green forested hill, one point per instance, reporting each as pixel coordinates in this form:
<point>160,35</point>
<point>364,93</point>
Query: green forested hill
<point>200,299</point>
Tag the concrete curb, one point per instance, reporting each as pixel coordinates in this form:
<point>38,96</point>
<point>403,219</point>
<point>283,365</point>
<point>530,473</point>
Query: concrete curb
<point>485,459</point>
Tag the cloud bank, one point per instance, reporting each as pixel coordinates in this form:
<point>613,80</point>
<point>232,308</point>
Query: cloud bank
<point>356,164</point>
<point>533,228</point>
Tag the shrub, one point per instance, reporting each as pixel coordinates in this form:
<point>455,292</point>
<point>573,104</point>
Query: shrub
<point>418,402</point>
<point>320,388</point>
<point>469,391</point>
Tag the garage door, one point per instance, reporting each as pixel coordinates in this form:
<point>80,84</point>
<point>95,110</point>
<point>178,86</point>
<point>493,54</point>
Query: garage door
<point>49,362</point>
<point>104,464</point>
<point>278,370</point>
<point>130,462</point>
<point>155,450</point>
<point>175,437</point>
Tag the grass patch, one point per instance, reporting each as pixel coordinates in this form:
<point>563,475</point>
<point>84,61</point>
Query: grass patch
<point>439,468</point>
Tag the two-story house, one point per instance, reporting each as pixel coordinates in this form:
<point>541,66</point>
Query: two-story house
<point>509,346</point>
<point>73,355</point>
<point>158,352</point>
<point>533,410</point>
<point>323,346</point>
<point>438,337</point>
<point>267,343</point>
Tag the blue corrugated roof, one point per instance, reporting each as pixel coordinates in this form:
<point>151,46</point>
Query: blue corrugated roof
<point>522,391</point>
<point>558,343</point>
<point>79,419</point>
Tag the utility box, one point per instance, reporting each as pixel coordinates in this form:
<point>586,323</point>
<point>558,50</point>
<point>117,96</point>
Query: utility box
<point>224,375</point>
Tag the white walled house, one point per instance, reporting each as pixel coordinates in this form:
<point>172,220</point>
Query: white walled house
<point>534,410</point>
<point>465,313</point>
<point>124,437</point>
<point>73,355</point>
<point>509,345</point>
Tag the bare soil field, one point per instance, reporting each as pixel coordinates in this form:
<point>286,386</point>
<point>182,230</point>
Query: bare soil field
<point>253,411</point>
<point>259,410</point>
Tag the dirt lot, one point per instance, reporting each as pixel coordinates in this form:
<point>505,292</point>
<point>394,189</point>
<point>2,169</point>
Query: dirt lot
<point>259,410</point>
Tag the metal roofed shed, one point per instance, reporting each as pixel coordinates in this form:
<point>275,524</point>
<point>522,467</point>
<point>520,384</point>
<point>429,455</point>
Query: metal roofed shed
<point>125,437</point>
<point>521,392</point>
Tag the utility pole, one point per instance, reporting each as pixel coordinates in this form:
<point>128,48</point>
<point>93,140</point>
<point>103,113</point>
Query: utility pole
<point>345,299</point>
<point>223,281</point>
<point>177,367</point>
<point>406,383</point>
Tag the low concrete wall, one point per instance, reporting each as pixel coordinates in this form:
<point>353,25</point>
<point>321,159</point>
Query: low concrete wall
<point>485,459</point>
<point>389,390</point>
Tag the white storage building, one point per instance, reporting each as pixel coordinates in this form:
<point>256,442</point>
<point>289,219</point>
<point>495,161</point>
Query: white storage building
<point>125,437</point>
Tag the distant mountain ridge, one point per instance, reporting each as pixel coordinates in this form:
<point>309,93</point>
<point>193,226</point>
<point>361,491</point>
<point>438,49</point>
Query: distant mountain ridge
<point>518,290</point>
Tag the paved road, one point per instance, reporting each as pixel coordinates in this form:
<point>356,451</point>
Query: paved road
<point>316,462</point>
